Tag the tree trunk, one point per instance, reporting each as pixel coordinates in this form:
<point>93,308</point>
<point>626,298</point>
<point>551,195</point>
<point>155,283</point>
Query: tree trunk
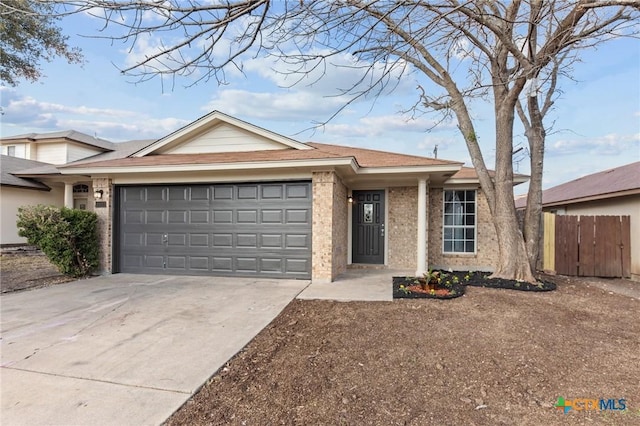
<point>533,214</point>
<point>513,262</point>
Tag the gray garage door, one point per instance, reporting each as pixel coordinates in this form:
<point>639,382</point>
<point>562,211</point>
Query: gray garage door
<point>224,229</point>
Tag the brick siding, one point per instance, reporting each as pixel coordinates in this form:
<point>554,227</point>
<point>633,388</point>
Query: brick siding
<point>105,221</point>
<point>486,256</point>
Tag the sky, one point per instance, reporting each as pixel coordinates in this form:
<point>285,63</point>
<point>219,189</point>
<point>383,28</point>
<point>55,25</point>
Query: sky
<point>596,120</point>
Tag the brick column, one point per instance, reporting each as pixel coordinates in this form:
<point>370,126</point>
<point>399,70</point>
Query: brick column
<point>104,209</point>
<point>322,268</point>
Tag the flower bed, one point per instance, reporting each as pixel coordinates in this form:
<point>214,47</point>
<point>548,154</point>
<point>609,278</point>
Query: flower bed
<point>452,284</point>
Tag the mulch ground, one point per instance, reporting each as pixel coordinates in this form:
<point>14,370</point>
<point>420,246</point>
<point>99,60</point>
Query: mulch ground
<point>490,357</point>
<point>28,271</point>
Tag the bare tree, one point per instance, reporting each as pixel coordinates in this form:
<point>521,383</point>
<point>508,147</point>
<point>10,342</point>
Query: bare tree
<point>510,53</point>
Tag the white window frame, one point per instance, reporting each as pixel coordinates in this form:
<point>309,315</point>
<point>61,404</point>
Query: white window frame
<point>474,226</point>
<point>11,148</point>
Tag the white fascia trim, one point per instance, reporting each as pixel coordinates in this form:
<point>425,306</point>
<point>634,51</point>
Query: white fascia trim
<point>408,169</point>
<point>476,181</point>
<point>217,116</point>
<point>323,162</point>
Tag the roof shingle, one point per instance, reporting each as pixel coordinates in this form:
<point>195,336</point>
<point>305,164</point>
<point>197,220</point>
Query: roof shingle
<point>597,185</point>
<point>364,157</point>
<point>10,165</point>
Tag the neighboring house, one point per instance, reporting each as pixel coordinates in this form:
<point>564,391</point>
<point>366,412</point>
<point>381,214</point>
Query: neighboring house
<point>613,192</point>
<point>221,196</point>
<point>18,191</point>
<point>30,173</point>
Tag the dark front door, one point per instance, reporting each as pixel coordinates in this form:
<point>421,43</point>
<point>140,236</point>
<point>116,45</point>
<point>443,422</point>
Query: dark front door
<point>368,227</point>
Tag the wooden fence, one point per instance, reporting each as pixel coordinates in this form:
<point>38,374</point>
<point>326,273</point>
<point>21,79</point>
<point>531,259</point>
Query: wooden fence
<point>588,246</point>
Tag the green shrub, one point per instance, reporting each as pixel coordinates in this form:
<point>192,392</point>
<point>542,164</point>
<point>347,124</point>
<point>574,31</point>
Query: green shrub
<point>68,237</point>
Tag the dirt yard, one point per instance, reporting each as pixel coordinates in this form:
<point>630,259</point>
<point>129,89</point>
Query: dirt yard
<point>498,357</point>
<point>28,271</point>
<point>490,357</point>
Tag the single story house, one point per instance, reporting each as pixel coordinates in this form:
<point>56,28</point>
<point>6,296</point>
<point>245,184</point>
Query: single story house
<point>613,192</point>
<point>221,196</point>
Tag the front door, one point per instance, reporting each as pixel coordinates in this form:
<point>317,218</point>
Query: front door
<point>368,227</point>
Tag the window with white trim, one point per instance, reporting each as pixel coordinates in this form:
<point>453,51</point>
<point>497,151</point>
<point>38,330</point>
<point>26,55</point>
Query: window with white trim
<point>459,221</point>
<point>11,150</point>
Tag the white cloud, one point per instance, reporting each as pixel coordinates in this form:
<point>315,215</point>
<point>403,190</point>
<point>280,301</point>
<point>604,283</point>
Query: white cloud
<point>610,144</point>
<point>374,126</point>
<point>28,113</point>
<point>281,105</point>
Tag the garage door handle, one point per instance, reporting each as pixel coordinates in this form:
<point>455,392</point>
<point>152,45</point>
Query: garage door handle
<point>165,239</point>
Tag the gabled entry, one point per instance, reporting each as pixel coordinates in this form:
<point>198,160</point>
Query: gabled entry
<point>368,227</point>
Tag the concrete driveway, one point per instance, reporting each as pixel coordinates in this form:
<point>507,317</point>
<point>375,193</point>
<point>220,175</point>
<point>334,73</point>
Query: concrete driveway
<point>125,349</point>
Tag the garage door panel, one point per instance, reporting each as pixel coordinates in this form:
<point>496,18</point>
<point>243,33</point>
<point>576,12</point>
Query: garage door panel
<point>223,240</point>
<point>155,216</point>
<point>223,192</point>
<point>151,261</point>
<point>298,191</point>
<point>297,266</point>
<point>270,192</point>
<point>247,241</point>
<point>176,262</point>
<point>248,192</point>
<point>177,216</point>
<point>199,240</point>
<point>222,216</point>
<point>226,229</point>
<point>271,241</point>
<point>247,216</point>
<point>155,194</point>
<point>222,264</point>
<point>294,241</point>
<point>199,263</point>
<point>199,216</point>
<point>134,217</point>
<point>298,216</point>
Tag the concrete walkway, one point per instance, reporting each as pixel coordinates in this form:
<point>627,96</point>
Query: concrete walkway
<point>125,349</point>
<point>355,285</point>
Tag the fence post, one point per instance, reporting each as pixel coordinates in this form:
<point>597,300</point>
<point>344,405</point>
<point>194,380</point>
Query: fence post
<point>549,241</point>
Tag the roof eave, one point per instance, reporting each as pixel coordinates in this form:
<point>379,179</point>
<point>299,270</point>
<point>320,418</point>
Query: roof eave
<point>251,165</point>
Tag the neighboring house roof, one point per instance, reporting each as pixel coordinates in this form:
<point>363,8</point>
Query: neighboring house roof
<point>616,182</point>
<point>121,150</point>
<point>71,135</point>
<point>10,165</point>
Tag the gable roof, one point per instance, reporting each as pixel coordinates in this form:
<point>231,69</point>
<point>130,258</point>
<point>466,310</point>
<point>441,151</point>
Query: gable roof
<point>619,181</point>
<point>71,135</point>
<point>209,121</point>
<point>314,151</point>
<point>10,165</point>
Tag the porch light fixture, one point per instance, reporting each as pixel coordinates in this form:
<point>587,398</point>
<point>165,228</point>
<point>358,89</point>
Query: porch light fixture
<point>98,194</point>
<point>350,198</point>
